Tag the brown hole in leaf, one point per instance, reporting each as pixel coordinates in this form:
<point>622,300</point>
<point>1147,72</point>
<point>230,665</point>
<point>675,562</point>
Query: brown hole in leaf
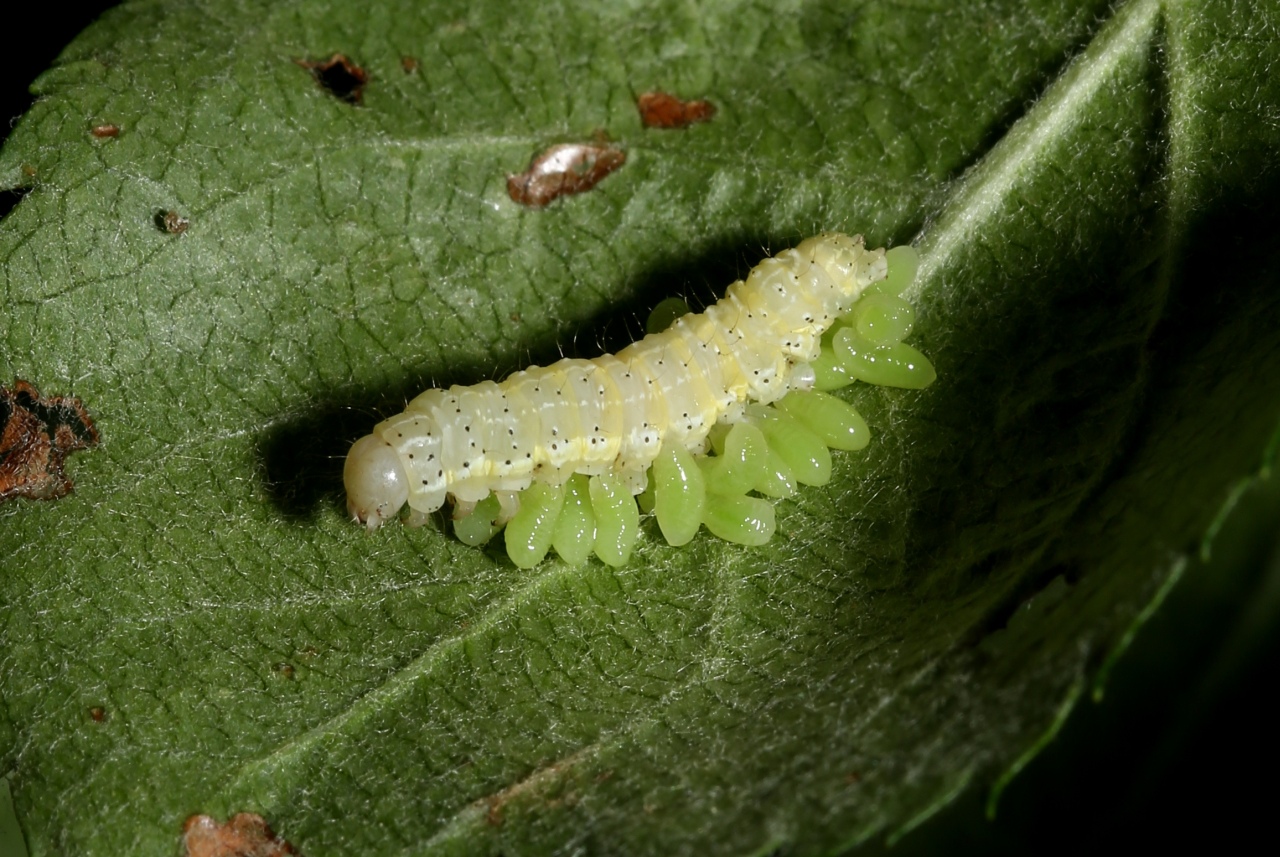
<point>245,834</point>
<point>9,199</point>
<point>105,132</point>
<point>171,222</point>
<point>340,77</point>
<point>664,110</point>
<point>98,714</point>
<point>36,436</point>
<point>409,64</point>
<point>561,170</point>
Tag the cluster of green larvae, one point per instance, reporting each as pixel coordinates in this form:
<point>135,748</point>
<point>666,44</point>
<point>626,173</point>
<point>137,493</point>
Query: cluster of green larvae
<point>767,452</point>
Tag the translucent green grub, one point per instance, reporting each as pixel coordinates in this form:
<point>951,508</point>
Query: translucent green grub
<point>742,520</point>
<point>530,532</point>
<point>664,314</point>
<point>679,494</point>
<point>711,467</point>
<point>478,527</point>
<point>779,481</point>
<point>829,372</point>
<point>575,533</point>
<point>882,319</point>
<point>802,450</point>
<point>835,421</point>
<point>739,465</point>
<point>903,261</point>
<point>776,480</point>
<point>896,365</point>
<point>617,519</point>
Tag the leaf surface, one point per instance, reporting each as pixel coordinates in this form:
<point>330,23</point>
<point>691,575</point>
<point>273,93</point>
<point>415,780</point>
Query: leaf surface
<point>1090,189</point>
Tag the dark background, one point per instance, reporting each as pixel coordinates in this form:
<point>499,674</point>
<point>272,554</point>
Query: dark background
<point>1182,752</point>
<point>34,34</point>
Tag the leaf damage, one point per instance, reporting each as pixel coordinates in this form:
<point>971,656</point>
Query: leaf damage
<point>245,834</point>
<point>563,170</point>
<point>36,436</point>
<point>539,782</point>
<point>664,110</point>
<point>171,222</point>
<point>338,76</point>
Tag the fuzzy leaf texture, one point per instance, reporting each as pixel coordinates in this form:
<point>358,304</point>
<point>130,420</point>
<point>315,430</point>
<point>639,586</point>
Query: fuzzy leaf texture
<point>1091,190</point>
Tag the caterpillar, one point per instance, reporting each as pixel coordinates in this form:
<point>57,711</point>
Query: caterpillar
<point>695,420</point>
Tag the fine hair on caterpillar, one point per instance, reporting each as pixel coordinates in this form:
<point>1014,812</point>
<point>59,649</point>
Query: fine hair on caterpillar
<point>700,417</point>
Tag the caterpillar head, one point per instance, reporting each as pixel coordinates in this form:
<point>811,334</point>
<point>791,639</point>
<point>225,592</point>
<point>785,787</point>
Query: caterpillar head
<point>376,483</point>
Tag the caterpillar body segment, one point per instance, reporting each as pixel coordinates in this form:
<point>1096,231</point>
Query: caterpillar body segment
<point>584,434</point>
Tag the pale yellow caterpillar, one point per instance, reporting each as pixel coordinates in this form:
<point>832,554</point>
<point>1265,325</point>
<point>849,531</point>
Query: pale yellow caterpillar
<point>514,445</point>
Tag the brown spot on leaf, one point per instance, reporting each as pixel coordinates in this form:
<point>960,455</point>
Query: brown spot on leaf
<point>245,834</point>
<point>105,132</point>
<point>29,171</point>
<point>409,64</point>
<point>171,222</point>
<point>340,77</point>
<point>284,670</point>
<point>561,170</point>
<point>538,783</point>
<point>98,714</point>
<point>664,110</point>
<point>36,435</point>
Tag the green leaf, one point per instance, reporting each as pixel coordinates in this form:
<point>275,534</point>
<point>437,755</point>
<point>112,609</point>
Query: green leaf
<point>1095,189</point>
